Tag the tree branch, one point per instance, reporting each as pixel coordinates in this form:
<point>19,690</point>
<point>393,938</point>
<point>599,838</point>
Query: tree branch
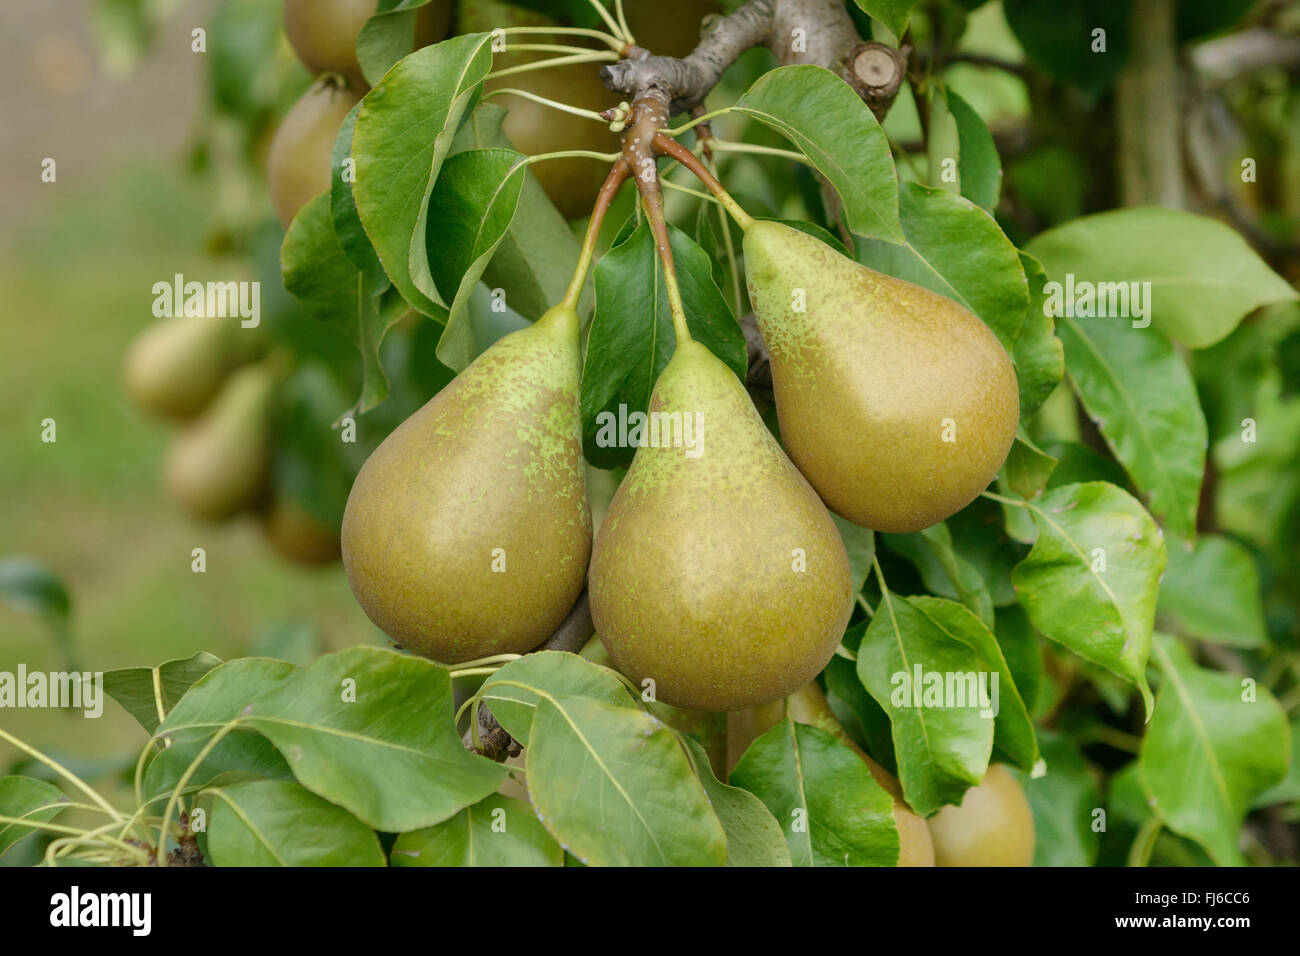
<point>818,32</point>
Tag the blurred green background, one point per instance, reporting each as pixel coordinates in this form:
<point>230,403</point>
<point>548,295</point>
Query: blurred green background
<point>79,259</point>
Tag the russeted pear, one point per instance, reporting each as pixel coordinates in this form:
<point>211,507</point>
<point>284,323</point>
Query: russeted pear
<point>298,163</point>
<point>174,367</point>
<point>218,465</point>
<point>898,404</point>
<point>808,705</point>
<point>467,531</point>
<point>993,825</point>
<point>299,536</point>
<point>717,572</point>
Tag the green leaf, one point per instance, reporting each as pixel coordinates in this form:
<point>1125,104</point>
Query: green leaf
<point>27,585</point>
<point>831,809</point>
<point>1212,592</point>
<point>892,13</point>
<point>327,282</point>
<point>829,123</point>
<point>855,709</point>
<point>978,164</point>
<point>345,726</point>
<point>754,838</point>
<point>631,337</point>
<point>1215,743</point>
<point>1142,397</point>
<point>27,799</point>
<point>538,254</point>
<point>279,823</point>
<point>514,691</point>
<point>1064,801</point>
<point>1288,789</point>
<point>1013,728</point>
<point>496,831</point>
<point>472,207</point>
<point>943,570</point>
<point>348,231</point>
<point>614,787</point>
<point>941,750</point>
<point>387,36</point>
<point>1022,650</point>
<point>1090,581</point>
<point>860,545</point>
<point>1058,38</point>
<point>1038,355</point>
<point>149,693</point>
<point>1204,277</point>
<point>1028,467</point>
<point>403,134</point>
<point>955,248</point>
<point>216,699</point>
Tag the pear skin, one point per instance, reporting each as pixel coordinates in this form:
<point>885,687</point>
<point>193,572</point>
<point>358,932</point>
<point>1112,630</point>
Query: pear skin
<point>717,571</point>
<point>174,367</point>
<point>898,404</point>
<point>993,825</point>
<point>808,705</point>
<point>218,466</point>
<point>467,531</point>
<point>298,163</point>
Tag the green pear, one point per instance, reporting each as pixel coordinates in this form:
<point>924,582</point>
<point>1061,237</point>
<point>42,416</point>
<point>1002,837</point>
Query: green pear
<point>898,404</point>
<point>717,571</point>
<point>992,826</point>
<point>174,367</point>
<point>467,531</point>
<point>219,465</point>
<point>298,164</point>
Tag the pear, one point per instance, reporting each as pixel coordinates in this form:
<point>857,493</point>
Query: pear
<point>299,536</point>
<point>993,825</point>
<point>174,367</point>
<point>467,531</point>
<point>324,32</point>
<point>808,705</point>
<point>218,466</point>
<point>717,571</point>
<point>898,404</point>
<point>298,165</point>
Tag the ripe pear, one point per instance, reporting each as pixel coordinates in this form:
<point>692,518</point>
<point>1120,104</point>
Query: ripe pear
<point>808,705</point>
<point>324,32</point>
<point>993,826</point>
<point>467,531</point>
<point>717,571</point>
<point>898,404</point>
<point>298,165</point>
<point>299,536</point>
<point>218,465</point>
<point>174,367</point>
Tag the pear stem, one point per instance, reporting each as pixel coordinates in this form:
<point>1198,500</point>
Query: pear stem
<point>654,207</point>
<point>612,42</point>
<point>563,107</point>
<point>617,173</point>
<point>593,57</point>
<point>614,26</point>
<point>670,147</point>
